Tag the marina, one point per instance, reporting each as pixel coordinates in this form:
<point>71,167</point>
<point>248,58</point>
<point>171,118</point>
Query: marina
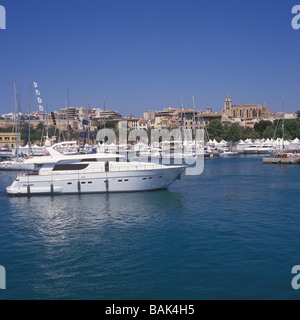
<point>66,168</point>
<point>149,151</point>
<point>200,239</point>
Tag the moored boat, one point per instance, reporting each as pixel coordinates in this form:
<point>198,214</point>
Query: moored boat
<point>95,177</point>
<point>253,149</point>
<point>16,165</point>
<point>228,153</point>
<point>265,149</point>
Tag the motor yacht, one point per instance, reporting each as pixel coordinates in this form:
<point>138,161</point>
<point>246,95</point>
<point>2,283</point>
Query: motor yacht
<point>228,153</point>
<point>93,176</point>
<point>253,149</point>
<point>265,149</point>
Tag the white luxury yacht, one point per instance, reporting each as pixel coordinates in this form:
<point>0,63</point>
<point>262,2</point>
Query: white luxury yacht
<point>93,176</point>
<point>266,149</point>
<point>253,149</point>
<point>91,173</point>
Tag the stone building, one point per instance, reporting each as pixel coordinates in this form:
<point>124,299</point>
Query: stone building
<point>245,112</point>
<point>74,113</point>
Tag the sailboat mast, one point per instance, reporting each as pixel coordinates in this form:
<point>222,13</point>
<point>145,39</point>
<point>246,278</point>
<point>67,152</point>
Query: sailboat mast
<point>88,119</point>
<point>282,125</point>
<point>68,120</point>
<point>104,115</point>
<point>194,116</point>
<point>29,143</point>
<point>47,121</point>
<point>16,123</point>
<point>181,123</point>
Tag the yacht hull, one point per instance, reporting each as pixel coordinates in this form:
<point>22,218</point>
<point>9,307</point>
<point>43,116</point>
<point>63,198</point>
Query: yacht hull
<point>93,182</point>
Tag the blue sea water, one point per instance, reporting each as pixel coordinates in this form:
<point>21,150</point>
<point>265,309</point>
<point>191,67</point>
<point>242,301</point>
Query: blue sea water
<point>230,233</point>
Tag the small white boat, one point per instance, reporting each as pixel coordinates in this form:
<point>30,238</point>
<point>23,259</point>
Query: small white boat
<point>251,149</point>
<point>228,153</point>
<point>5,152</point>
<point>16,165</point>
<point>265,149</point>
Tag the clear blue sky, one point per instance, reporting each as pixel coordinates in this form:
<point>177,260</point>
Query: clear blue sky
<point>141,55</point>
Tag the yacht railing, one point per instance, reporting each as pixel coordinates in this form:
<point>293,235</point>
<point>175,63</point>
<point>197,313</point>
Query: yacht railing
<point>101,170</point>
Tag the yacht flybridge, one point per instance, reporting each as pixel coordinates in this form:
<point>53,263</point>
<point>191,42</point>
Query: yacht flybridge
<point>64,152</point>
<point>92,173</point>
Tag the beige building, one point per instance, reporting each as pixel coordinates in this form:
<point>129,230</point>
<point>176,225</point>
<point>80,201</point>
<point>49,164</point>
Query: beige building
<point>8,139</point>
<point>74,113</point>
<point>103,115</point>
<point>143,124</point>
<point>245,112</point>
<point>132,122</point>
<point>191,119</point>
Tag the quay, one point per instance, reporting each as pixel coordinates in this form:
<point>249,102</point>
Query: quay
<point>282,160</point>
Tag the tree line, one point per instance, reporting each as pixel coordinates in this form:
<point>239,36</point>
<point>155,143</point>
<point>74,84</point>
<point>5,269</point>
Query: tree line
<point>262,130</point>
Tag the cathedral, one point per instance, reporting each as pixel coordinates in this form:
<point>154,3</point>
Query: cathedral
<point>245,112</point>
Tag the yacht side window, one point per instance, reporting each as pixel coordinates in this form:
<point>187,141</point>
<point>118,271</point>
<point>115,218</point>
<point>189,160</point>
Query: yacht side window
<point>67,167</point>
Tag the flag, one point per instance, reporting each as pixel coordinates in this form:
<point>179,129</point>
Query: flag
<point>37,92</point>
<point>39,100</point>
<point>41,108</point>
<point>35,84</point>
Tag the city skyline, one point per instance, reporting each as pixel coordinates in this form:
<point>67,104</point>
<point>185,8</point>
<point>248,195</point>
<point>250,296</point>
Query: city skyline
<point>143,55</point>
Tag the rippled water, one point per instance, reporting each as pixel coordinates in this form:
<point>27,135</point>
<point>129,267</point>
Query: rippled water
<point>230,233</point>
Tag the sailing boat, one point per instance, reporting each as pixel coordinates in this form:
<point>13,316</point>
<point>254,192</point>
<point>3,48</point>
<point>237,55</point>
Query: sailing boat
<point>16,164</point>
<point>283,156</point>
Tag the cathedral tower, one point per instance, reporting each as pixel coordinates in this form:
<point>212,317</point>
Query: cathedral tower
<point>227,106</point>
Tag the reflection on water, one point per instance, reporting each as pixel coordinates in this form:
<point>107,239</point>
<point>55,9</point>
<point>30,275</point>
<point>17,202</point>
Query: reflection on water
<point>56,217</point>
<point>87,245</point>
<point>209,235</point>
